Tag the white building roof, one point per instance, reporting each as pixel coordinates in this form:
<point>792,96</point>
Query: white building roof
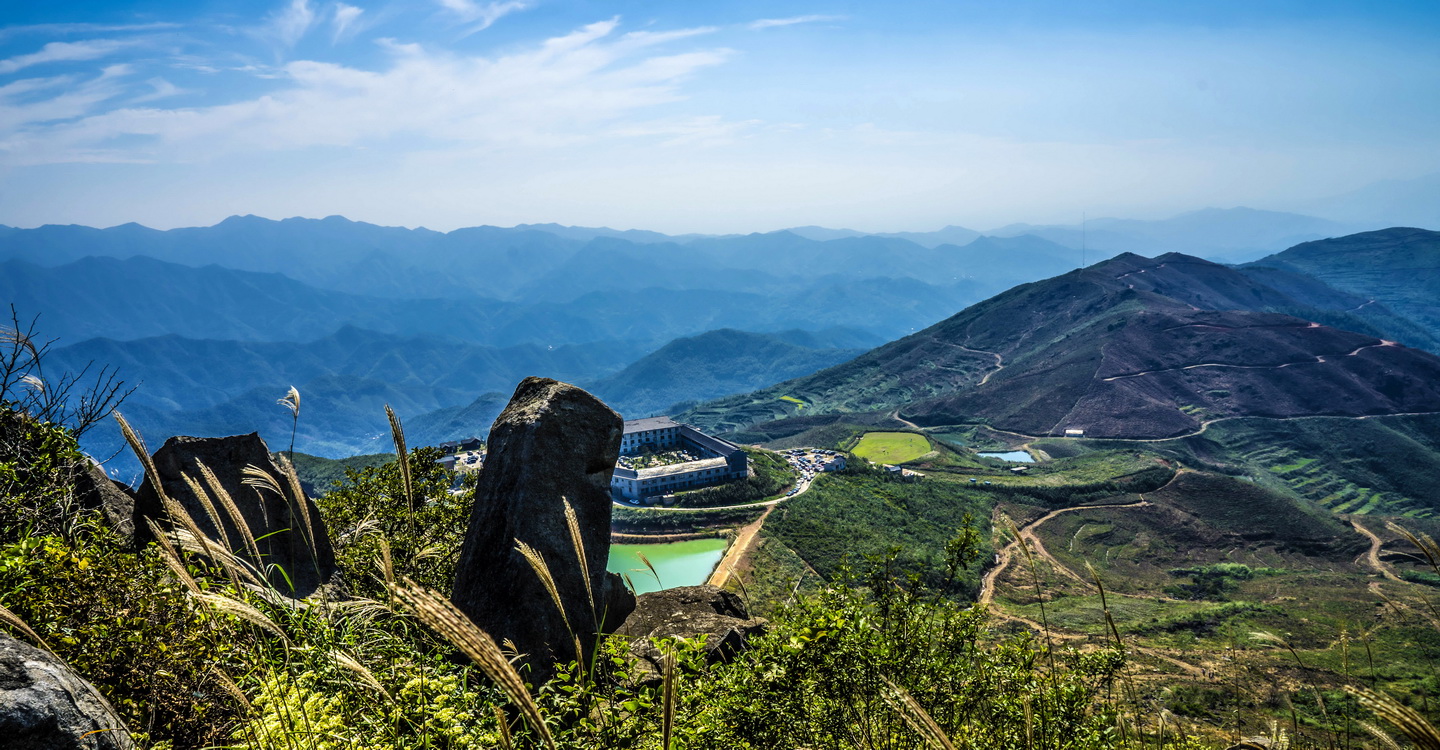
<point>649,423</point>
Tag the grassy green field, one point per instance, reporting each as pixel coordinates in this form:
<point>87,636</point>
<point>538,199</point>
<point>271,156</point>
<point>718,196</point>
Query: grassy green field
<point>891,447</point>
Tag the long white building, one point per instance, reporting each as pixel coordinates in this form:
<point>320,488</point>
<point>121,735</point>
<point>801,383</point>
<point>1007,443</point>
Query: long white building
<point>717,461</point>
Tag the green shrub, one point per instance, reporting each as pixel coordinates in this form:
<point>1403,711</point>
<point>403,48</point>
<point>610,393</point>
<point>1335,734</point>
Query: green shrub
<point>370,505</point>
<point>38,464</point>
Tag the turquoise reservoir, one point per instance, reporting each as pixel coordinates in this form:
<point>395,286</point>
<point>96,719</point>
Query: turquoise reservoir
<point>677,563</point>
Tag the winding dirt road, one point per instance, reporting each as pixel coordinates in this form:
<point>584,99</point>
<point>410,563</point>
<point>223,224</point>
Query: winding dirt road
<point>1007,553</point>
<point>1319,359</point>
<point>999,362</point>
<point>987,584</point>
<point>1372,556</point>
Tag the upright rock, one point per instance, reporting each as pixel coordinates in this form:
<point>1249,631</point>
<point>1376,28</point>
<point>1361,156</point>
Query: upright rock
<point>554,442</point>
<point>302,546</point>
<point>45,706</point>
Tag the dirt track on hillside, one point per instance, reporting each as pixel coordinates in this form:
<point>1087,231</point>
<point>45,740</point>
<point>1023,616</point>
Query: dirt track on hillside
<point>1372,555</point>
<point>738,551</point>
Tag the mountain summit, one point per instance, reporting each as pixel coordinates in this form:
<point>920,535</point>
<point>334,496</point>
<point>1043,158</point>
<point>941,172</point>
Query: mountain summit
<point>1132,347</point>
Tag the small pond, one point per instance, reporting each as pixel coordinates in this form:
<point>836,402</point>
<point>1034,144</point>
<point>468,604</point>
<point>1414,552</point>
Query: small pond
<point>1019,457</point>
<point>677,563</point>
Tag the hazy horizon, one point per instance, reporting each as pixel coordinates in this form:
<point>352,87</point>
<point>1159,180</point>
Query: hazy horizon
<point>685,119</point>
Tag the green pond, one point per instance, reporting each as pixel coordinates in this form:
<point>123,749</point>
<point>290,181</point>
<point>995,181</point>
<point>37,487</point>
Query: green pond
<point>677,563</point>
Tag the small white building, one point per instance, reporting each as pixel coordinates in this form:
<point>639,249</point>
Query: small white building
<point>1072,432</point>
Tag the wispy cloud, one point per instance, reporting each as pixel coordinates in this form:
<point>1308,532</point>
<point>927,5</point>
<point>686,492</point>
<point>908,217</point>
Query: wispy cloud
<point>64,52</point>
<point>479,16</point>
<point>57,29</point>
<point>768,23</point>
<point>160,89</point>
<point>290,23</point>
<point>25,102</point>
<point>575,88</point>
<point>344,21</point>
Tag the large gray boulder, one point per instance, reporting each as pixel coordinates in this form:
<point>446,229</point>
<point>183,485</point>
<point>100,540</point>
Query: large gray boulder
<point>553,442</point>
<point>287,535</point>
<point>45,706</point>
<point>690,612</point>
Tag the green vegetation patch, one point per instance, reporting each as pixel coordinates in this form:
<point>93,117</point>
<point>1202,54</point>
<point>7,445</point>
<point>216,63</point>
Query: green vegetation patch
<point>891,447</point>
<point>773,577</point>
<point>628,520</point>
<point>319,475</point>
<point>847,518</point>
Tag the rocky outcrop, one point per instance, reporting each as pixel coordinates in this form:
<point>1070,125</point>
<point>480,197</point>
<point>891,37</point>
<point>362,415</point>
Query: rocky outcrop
<point>45,706</point>
<point>553,442</point>
<point>690,612</point>
<point>58,481</point>
<point>302,545</point>
<point>114,501</point>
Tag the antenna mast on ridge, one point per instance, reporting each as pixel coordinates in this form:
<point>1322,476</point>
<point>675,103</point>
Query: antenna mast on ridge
<point>1084,217</point>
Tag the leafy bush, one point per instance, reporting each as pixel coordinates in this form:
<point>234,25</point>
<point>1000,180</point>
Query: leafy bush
<point>38,465</point>
<point>119,618</point>
<point>370,505</point>
<point>836,669</point>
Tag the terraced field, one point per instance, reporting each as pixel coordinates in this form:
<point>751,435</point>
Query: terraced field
<point>1317,459</point>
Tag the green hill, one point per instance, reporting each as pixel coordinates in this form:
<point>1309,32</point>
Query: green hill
<point>1398,268</point>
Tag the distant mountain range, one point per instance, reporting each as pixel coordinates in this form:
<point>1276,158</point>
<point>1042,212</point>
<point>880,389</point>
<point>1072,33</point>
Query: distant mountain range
<point>1224,235</point>
<point>212,322</point>
<point>1135,348</point>
<point>716,364</point>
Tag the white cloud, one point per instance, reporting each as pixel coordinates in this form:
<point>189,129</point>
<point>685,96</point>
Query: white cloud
<point>767,23</point>
<point>19,107</point>
<point>343,21</point>
<point>51,29</point>
<point>160,89</point>
<point>64,52</point>
<point>577,88</point>
<point>480,15</point>
<point>290,23</point>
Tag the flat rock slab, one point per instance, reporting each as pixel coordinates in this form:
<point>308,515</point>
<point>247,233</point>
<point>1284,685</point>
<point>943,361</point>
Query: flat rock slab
<point>690,612</point>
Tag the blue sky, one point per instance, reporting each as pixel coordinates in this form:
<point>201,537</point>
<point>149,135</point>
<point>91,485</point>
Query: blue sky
<point>710,117</point>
